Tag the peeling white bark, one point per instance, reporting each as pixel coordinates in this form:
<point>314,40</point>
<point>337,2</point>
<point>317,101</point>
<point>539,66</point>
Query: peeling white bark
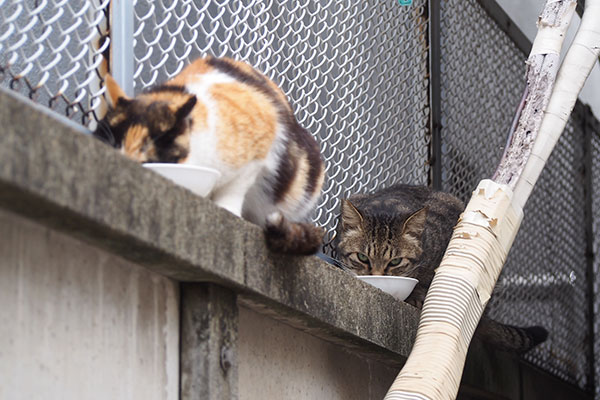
<point>576,67</point>
<point>542,66</point>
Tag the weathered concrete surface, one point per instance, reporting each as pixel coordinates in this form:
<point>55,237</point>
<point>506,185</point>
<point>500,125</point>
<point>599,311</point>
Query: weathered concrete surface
<point>278,362</point>
<point>209,330</point>
<point>78,323</point>
<point>52,172</point>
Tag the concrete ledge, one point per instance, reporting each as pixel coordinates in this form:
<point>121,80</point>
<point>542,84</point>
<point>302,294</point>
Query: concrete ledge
<point>54,172</point>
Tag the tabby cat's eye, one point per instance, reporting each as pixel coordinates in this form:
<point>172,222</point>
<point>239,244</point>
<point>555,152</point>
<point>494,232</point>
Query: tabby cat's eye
<point>362,258</point>
<point>395,262</point>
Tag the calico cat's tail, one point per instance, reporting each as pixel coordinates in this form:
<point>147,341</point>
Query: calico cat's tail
<point>288,237</point>
<point>510,338</point>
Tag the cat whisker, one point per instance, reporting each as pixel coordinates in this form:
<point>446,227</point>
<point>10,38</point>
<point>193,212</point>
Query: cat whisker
<point>103,130</point>
<point>334,262</point>
<point>108,135</point>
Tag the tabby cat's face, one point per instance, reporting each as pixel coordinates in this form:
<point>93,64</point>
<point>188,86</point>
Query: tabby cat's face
<point>380,244</point>
<point>152,127</point>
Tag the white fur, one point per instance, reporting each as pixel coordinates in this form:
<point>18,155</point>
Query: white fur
<point>231,188</point>
<point>245,191</point>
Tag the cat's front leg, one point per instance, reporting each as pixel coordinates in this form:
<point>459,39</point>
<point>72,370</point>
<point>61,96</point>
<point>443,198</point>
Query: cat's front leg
<point>231,195</point>
<point>417,297</point>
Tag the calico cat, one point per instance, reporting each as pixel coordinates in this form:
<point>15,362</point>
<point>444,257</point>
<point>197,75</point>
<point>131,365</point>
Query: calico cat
<point>404,231</point>
<point>224,114</point>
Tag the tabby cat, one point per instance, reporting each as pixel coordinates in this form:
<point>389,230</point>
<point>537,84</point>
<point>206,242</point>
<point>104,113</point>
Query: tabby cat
<point>403,231</point>
<point>224,114</point>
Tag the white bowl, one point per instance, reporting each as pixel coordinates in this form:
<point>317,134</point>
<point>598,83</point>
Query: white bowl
<point>199,180</point>
<point>398,286</point>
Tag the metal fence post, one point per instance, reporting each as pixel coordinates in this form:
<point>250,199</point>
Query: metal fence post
<point>121,46</point>
<point>435,96</point>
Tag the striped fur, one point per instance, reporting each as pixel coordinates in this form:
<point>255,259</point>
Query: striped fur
<point>404,231</point>
<point>223,114</point>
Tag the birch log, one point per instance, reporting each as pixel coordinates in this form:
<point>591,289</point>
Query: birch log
<point>484,234</point>
<point>542,66</point>
<point>575,69</point>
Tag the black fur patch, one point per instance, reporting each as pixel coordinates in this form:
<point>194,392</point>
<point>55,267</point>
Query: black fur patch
<point>286,170</point>
<point>256,80</point>
<point>112,135</point>
<point>293,237</point>
<point>167,88</point>
<point>151,117</point>
<point>313,153</point>
<point>167,150</point>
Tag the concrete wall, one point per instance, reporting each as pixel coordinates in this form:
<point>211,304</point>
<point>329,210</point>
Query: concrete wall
<point>279,362</point>
<point>78,323</point>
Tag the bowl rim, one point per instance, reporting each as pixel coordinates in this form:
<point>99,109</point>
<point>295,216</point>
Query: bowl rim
<point>387,277</point>
<point>180,166</point>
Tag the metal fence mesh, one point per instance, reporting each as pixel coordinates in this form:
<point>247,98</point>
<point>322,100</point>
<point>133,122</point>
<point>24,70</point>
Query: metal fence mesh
<point>595,149</point>
<point>50,51</point>
<point>356,74</point>
<point>544,280</point>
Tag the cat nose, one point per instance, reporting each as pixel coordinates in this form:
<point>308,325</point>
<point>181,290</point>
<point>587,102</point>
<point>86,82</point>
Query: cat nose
<point>377,272</point>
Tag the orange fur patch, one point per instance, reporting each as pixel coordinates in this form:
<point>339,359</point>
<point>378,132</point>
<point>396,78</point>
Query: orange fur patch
<point>199,117</point>
<point>113,89</point>
<point>117,119</point>
<point>246,68</point>
<point>134,140</point>
<point>246,124</point>
<point>198,67</point>
<point>176,99</point>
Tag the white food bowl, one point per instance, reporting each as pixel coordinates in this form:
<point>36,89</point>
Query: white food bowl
<point>398,286</point>
<point>199,180</point>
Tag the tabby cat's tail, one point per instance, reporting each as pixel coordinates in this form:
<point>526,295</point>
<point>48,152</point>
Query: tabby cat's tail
<point>288,237</point>
<point>510,338</point>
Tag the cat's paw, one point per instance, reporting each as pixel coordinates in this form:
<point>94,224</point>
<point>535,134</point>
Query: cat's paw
<point>275,219</point>
<point>283,236</point>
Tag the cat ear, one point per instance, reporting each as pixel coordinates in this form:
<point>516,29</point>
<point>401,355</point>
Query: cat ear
<point>415,224</point>
<point>351,217</point>
<point>115,93</point>
<point>183,110</point>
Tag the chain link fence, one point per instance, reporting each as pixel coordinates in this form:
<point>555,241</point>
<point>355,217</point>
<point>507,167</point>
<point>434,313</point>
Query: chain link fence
<point>357,76</point>
<point>594,131</point>
<point>52,52</point>
<point>356,73</point>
